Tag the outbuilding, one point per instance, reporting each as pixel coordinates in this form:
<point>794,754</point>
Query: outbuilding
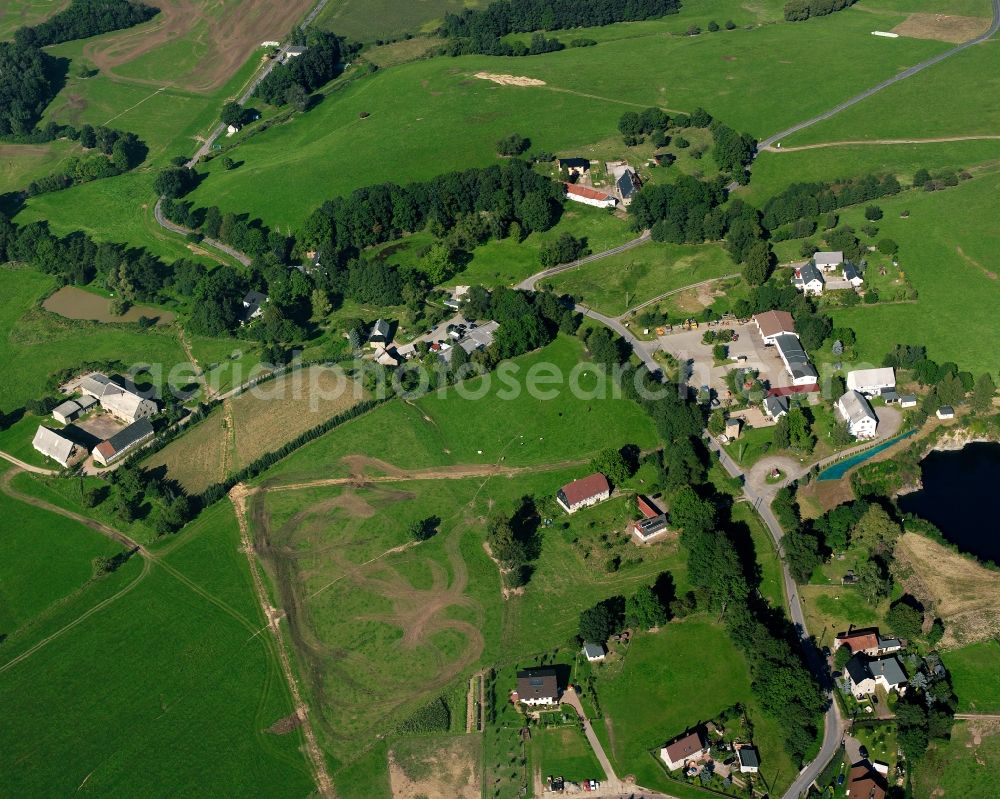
<point>749,760</point>
<point>872,382</point>
<point>946,412</point>
<point>827,261</point>
<point>56,446</point>
<point>593,652</point>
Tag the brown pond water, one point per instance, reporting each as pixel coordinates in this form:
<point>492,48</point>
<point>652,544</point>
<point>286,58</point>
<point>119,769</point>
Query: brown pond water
<point>75,303</point>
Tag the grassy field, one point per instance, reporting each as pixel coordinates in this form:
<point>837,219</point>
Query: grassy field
<point>47,560</point>
<point>118,209</point>
<point>683,685</point>
<point>947,251</point>
<point>773,172</point>
<point>565,752</point>
<point>450,119</point>
<point>975,674</point>
<point>22,163</point>
<point>615,284</point>
<point>42,343</point>
<point>367,20</point>
<point>771,580</point>
<point>186,672</point>
<point>435,766</point>
<point>255,422</point>
<point>447,430</point>
<point>21,13</point>
<point>950,96</point>
<point>964,766</point>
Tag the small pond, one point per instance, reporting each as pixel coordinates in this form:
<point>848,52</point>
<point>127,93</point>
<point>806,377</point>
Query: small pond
<point>75,303</point>
<point>960,496</point>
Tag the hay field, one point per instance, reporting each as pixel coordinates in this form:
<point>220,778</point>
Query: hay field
<point>252,424</point>
<point>955,587</point>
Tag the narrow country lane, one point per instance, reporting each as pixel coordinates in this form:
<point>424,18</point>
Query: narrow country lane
<point>529,283</point>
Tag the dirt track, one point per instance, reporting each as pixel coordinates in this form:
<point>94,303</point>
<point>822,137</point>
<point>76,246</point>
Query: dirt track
<point>223,40</point>
<point>856,142</point>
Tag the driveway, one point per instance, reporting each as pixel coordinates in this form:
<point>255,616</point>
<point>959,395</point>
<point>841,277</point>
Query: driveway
<point>611,785</point>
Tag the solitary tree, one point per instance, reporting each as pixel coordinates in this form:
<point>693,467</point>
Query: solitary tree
<point>232,114</point>
<point>643,609</point>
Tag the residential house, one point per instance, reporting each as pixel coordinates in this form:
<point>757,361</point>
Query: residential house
<point>253,304</point>
<point>808,279</point>
<point>627,185</point>
<point>945,412</point>
<point>867,641</point>
<point>872,382</point>
<point>749,759</point>
<point>828,261</point>
<point>772,324</point>
<point>574,167</point>
<point>56,446</point>
<point>908,401</point>
<point>775,407</point>
<point>123,402</point>
<point>406,351</point>
<point>593,652</point>
<point>474,338</point>
<point>123,441</point>
<point>859,415</point>
<point>380,332</point>
<point>537,687</point>
<point>584,492</point>
<point>589,196</point>
<point>863,782</point>
<point>796,362</point>
<point>653,523</point>
<point>293,51</point>
<point>865,674</point>
<point>232,130</point>
<point>687,747</point>
<point>851,274</point>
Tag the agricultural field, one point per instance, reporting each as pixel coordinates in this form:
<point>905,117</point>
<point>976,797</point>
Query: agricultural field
<point>458,427</point>
<point>451,119</point>
<point>47,560</point>
<point>20,164</point>
<point>367,20</point>
<point>966,765</point>
<point>690,672</point>
<point>20,13</point>
<point>255,422</point>
<point>615,284</point>
<point>952,97</point>
<point>42,343</point>
<point>193,676</point>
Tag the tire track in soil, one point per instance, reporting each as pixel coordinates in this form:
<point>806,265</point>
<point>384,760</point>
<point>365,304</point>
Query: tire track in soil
<point>324,784</point>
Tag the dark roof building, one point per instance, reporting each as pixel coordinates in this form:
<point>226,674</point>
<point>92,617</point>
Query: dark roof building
<point>122,441</point>
<point>575,164</point>
<point>537,687</point>
<point>627,184</point>
<point>380,332</point>
<point>252,305</point>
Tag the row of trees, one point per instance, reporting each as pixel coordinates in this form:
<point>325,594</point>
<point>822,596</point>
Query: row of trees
<point>300,76</point>
<point>120,151</point>
<point>86,18</point>
<point>807,200</point>
<point>799,10</point>
<point>481,30</point>
<point>635,126</point>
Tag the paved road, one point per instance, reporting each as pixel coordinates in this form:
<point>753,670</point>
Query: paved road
<point>906,73</point>
<point>528,284</point>
<point>206,146</point>
<point>165,223</point>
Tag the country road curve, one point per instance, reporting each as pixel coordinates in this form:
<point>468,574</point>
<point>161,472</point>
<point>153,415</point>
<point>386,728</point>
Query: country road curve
<point>166,224</point>
<point>27,466</point>
<point>906,73</point>
<point>529,283</point>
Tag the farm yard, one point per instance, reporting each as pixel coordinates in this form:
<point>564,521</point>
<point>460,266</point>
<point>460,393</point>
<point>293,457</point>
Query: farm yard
<point>257,421</point>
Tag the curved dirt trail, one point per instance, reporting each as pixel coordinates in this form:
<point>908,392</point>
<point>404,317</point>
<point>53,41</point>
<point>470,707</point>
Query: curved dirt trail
<point>863,142</point>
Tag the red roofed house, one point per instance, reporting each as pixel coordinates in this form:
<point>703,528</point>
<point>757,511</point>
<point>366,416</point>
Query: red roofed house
<point>652,525</point>
<point>584,492</point>
<point>772,324</point>
<point>690,746</point>
<point>589,196</point>
<point>864,783</point>
<point>867,641</point>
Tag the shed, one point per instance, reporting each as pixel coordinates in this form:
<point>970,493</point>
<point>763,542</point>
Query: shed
<point>66,412</point>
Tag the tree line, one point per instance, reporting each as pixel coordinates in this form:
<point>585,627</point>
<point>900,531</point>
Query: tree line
<point>800,10</point>
<point>118,152</point>
<point>808,200</point>
<point>298,77</point>
<point>31,76</point>
<point>481,30</point>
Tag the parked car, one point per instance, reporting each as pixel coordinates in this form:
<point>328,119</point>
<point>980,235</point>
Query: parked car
<point>840,780</point>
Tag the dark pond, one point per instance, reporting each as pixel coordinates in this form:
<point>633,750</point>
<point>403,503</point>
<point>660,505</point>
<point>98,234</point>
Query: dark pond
<point>961,496</point>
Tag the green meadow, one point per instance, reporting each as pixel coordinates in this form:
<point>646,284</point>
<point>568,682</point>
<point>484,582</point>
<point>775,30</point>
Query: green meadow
<point>494,420</point>
<point>41,343</point>
<point>565,751</point>
<point>164,661</point>
<point>965,765</point>
<point>613,285</point>
<point>953,98</point>
<point>16,14</point>
<point>975,675</point>
<point>689,671</point>
<point>947,250</point>
<point>367,20</point>
<point>449,119</point>
<point>22,163</point>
